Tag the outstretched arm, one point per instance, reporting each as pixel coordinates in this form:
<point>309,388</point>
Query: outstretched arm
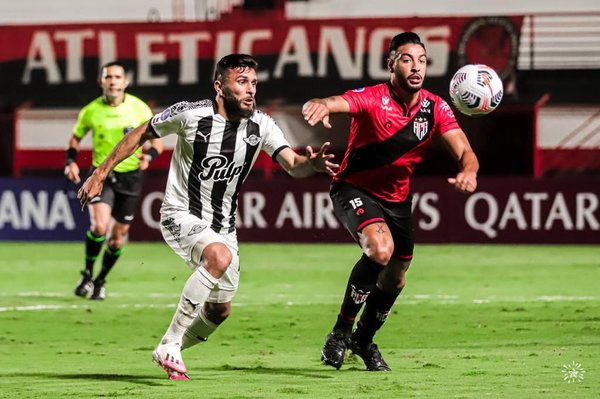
<point>318,109</point>
<point>299,166</point>
<point>457,143</point>
<point>125,148</point>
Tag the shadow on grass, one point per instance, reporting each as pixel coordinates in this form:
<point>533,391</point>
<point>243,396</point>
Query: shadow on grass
<point>325,374</point>
<point>129,378</point>
<point>153,380</point>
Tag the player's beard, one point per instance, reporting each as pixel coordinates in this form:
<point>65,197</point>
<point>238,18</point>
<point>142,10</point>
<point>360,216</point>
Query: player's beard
<point>233,106</point>
<point>407,86</point>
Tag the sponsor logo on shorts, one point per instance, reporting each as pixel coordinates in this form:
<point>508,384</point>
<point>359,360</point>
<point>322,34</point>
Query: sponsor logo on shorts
<point>197,228</point>
<point>173,228</point>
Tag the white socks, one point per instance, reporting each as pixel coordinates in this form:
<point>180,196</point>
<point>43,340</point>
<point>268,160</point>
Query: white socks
<point>198,331</point>
<point>195,292</point>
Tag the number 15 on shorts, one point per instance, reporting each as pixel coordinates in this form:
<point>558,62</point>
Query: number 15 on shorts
<point>356,203</point>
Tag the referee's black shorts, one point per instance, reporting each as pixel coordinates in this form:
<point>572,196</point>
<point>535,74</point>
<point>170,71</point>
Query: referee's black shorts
<point>122,192</point>
<point>357,209</point>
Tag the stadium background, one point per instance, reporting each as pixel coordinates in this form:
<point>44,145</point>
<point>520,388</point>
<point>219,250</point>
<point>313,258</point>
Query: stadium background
<point>539,151</point>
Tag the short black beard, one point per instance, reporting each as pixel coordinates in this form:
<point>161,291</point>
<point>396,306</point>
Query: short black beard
<point>405,86</point>
<point>233,107</point>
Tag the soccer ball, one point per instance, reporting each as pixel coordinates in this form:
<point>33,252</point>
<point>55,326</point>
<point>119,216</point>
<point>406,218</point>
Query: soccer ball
<point>476,89</point>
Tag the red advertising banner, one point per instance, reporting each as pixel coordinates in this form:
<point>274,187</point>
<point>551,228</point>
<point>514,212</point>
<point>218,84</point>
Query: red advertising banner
<point>503,210</point>
<point>58,64</point>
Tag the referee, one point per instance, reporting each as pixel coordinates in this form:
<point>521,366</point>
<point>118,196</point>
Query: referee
<point>109,118</point>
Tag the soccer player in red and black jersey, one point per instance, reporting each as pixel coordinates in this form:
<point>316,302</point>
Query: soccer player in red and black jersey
<point>392,125</point>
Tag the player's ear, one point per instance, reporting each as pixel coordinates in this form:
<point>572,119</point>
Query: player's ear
<point>218,85</point>
<point>390,64</point>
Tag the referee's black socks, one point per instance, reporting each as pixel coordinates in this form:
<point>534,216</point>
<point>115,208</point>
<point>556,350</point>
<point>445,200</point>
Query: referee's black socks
<point>93,245</point>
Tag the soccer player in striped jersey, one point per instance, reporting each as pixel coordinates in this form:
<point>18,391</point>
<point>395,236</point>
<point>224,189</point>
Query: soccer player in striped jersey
<point>392,125</point>
<point>218,142</point>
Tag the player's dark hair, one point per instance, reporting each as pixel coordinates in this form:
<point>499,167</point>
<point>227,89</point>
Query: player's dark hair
<point>233,61</point>
<point>110,64</point>
<point>402,39</point>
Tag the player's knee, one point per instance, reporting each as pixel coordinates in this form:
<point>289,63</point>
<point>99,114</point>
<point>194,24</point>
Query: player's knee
<point>380,254</point>
<point>217,257</point>
<point>116,243</point>
<point>98,229</point>
<point>393,285</point>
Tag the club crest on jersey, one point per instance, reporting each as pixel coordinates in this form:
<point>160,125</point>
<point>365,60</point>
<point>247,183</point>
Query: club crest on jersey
<point>252,140</point>
<point>218,168</point>
<point>385,101</point>
<point>420,127</point>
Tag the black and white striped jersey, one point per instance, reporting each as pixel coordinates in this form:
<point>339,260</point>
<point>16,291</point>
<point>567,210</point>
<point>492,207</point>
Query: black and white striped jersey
<point>212,158</point>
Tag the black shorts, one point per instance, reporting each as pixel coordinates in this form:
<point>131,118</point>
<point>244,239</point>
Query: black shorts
<point>122,192</point>
<point>357,209</point>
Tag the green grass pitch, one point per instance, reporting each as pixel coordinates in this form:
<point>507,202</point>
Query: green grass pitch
<point>474,321</point>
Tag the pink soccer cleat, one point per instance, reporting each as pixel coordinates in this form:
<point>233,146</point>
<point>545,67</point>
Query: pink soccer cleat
<point>168,356</point>
<point>174,375</point>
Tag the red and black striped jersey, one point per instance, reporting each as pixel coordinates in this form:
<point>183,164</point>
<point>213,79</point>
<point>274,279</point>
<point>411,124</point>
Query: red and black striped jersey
<point>387,139</point>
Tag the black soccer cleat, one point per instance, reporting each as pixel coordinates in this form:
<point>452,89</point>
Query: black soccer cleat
<point>99,292</point>
<point>334,349</point>
<point>85,284</point>
<point>370,354</point>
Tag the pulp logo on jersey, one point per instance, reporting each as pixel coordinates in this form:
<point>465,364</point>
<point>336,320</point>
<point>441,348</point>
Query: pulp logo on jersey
<point>252,140</point>
<point>385,100</point>
<point>217,168</point>
<point>358,295</point>
<point>420,127</point>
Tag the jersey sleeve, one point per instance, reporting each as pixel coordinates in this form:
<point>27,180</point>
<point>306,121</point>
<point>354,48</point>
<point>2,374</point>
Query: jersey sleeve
<point>445,117</point>
<point>82,126</point>
<point>168,122</point>
<point>275,140</point>
<point>357,99</point>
